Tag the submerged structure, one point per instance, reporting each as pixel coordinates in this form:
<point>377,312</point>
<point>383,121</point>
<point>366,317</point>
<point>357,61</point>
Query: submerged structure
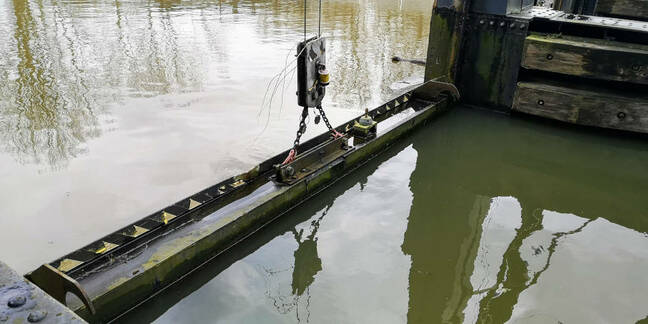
<point>554,60</point>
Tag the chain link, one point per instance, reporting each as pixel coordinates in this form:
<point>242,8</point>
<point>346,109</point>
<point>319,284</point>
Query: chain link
<point>302,128</point>
<point>326,121</point>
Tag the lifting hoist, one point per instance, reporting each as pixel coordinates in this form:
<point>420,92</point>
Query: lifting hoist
<point>312,80</point>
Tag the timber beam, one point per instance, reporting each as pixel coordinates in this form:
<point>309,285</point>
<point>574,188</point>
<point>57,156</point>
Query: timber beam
<point>582,106</point>
<point>587,57</point>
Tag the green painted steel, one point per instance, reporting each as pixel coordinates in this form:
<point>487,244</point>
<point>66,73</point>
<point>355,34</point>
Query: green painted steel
<point>163,262</point>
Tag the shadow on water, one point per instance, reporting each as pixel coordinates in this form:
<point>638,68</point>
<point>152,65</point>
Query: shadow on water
<point>307,261</point>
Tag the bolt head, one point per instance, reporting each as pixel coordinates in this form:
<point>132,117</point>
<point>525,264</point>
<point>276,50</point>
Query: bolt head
<point>36,316</point>
<point>16,301</point>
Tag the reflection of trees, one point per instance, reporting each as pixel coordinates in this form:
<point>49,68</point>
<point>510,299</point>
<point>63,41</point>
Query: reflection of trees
<point>362,38</point>
<point>45,113</point>
<point>66,72</point>
<point>69,60</point>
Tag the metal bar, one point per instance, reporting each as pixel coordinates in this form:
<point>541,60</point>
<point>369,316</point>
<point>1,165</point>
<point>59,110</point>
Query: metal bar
<point>121,285</point>
<point>123,242</point>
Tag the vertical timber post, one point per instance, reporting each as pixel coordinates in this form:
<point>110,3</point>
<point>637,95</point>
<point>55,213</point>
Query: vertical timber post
<point>446,29</point>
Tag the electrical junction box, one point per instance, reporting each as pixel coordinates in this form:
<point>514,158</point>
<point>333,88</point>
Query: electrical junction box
<point>311,58</point>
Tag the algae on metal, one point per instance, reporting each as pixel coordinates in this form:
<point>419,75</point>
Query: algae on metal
<point>492,53</point>
<point>199,242</point>
<point>446,29</point>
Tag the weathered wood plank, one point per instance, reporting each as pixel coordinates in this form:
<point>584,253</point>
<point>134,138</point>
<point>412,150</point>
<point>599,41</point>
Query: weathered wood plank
<point>583,107</point>
<point>591,58</point>
<point>626,8</point>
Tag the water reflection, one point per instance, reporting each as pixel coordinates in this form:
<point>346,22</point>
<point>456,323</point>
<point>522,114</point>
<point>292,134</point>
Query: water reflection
<point>448,230</point>
<point>69,63</point>
<point>281,275</point>
<point>45,111</point>
<point>114,108</point>
<point>511,258</point>
<point>307,264</point>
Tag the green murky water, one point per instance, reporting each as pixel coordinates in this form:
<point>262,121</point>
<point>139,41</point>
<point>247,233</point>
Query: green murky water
<point>111,109</point>
<point>478,218</point>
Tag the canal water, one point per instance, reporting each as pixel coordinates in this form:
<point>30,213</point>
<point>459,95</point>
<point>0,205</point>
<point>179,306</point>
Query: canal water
<point>477,218</point>
<point>110,110</point>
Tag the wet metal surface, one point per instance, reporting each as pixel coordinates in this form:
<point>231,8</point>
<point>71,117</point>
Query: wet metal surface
<point>22,302</point>
<point>478,218</point>
<point>110,110</point>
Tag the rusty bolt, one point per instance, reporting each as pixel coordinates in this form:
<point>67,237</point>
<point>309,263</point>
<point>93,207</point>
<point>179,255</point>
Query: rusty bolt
<point>541,102</point>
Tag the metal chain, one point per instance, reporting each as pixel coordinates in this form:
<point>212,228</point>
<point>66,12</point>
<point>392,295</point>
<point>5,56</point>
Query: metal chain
<point>302,125</point>
<point>302,128</point>
<point>326,121</point>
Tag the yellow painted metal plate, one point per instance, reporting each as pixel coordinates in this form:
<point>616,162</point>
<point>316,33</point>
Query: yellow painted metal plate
<point>68,264</point>
<point>238,183</point>
<point>104,247</point>
<point>135,231</point>
<point>193,204</point>
<point>166,217</point>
